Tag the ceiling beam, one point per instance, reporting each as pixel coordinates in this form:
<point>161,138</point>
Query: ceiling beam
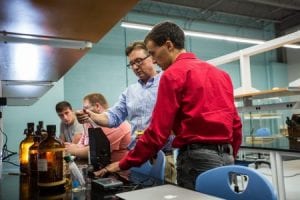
<point>284,5</point>
<point>174,10</point>
<point>212,6</point>
<point>288,23</point>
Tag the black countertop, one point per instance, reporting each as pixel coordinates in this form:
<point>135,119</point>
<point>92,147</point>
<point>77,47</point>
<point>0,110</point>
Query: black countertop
<point>14,186</point>
<point>284,144</point>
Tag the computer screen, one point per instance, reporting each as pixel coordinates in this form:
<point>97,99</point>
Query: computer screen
<point>99,148</point>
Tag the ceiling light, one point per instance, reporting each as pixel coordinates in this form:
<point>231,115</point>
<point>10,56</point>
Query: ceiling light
<point>41,40</point>
<point>204,35</point>
<point>30,83</point>
<point>136,26</point>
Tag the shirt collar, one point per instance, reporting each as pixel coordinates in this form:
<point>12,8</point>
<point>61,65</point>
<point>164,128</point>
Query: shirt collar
<point>151,81</point>
<point>187,55</point>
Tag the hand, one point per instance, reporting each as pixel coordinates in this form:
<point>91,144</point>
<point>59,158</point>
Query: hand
<point>67,144</point>
<point>111,168</point>
<point>82,116</point>
<point>70,148</point>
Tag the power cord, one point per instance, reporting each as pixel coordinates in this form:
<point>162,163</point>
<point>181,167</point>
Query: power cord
<point>137,182</point>
<point>6,153</point>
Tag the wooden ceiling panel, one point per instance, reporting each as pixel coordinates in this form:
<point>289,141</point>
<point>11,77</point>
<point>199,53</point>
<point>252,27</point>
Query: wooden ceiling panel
<point>73,19</point>
<point>87,20</point>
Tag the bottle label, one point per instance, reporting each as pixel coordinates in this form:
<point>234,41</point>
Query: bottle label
<point>42,165</point>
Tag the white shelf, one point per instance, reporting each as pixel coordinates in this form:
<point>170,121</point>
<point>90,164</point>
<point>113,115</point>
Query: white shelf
<point>268,94</point>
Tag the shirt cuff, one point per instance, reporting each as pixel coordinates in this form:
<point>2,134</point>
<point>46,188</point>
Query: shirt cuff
<point>110,119</point>
<point>123,164</point>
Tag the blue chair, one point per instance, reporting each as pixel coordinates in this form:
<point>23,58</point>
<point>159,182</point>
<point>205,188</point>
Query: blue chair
<point>157,170</point>
<point>218,182</point>
<point>263,132</point>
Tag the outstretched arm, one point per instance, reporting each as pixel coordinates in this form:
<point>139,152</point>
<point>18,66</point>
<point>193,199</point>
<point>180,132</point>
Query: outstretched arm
<point>86,116</point>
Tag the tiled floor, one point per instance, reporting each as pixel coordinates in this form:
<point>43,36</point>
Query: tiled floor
<point>291,178</point>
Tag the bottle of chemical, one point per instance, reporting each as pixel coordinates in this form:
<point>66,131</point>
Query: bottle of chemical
<point>42,130</point>
<point>77,178</point>
<point>24,148</point>
<point>139,128</point>
<point>51,163</point>
<point>33,153</point>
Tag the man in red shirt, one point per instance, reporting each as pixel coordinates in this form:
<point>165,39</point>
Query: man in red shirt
<point>195,101</point>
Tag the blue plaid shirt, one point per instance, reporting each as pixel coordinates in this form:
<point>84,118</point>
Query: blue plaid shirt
<point>136,104</point>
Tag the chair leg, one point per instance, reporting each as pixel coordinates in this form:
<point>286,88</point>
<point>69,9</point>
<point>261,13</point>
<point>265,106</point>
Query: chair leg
<point>259,162</point>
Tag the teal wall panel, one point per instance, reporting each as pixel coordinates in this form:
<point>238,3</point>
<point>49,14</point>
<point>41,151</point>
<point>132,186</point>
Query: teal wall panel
<point>279,75</point>
<point>233,69</point>
<point>102,70</point>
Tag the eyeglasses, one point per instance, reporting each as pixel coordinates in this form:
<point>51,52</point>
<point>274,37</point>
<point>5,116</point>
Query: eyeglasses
<point>87,107</point>
<point>137,61</point>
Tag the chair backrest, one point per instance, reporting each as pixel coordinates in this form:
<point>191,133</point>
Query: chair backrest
<point>262,132</point>
<point>156,170</point>
<point>217,182</point>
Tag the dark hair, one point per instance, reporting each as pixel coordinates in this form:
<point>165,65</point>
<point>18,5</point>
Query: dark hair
<point>164,31</point>
<point>60,106</point>
<point>94,98</point>
<point>135,45</point>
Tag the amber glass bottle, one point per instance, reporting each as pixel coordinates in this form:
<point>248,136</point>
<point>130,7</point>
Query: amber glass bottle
<point>51,163</point>
<point>33,152</point>
<point>24,148</point>
<point>42,130</point>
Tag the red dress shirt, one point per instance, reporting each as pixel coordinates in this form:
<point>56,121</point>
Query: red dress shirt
<point>195,100</point>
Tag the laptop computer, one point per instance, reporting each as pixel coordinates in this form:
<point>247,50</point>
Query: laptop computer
<point>165,192</point>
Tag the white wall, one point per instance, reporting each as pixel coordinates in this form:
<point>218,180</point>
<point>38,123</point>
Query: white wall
<point>293,62</point>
